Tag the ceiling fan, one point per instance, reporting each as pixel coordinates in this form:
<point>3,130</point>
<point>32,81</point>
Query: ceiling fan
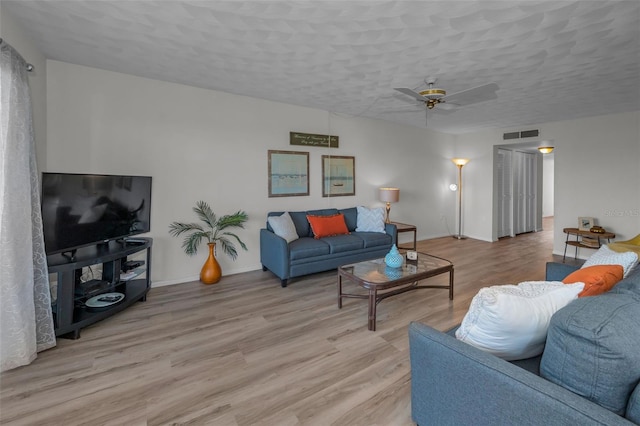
<point>432,95</point>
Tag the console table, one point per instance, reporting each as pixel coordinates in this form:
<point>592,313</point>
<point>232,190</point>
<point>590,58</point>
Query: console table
<point>405,227</point>
<point>579,234</point>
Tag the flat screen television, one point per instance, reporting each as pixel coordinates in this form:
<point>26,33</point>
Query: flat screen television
<point>85,209</point>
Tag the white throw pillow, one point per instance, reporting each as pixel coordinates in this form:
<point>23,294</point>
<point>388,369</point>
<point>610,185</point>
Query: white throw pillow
<point>606,256</point>
<point>511,321</point>
<point>283,226</point>
<point>370,220</point>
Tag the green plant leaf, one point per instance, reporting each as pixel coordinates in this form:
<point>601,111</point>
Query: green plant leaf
<point>234,220</point>
<point>211,231</point>
<point>204,212</point>
<point>178,228</point>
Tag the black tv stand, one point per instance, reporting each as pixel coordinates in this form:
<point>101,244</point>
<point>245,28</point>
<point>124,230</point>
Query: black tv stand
<point>71,256</point>
<point>70,313</point>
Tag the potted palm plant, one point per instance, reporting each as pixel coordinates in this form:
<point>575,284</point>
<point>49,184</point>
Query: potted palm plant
<point>212,230</point>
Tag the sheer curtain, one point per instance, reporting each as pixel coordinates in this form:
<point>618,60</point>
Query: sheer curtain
<point>26,323</point>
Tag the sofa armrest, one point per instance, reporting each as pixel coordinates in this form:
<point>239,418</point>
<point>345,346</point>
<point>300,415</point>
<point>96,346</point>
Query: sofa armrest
<point>274,253</point>
<point>558,271</point>
<point>392,230</point>
<point>453,383</point>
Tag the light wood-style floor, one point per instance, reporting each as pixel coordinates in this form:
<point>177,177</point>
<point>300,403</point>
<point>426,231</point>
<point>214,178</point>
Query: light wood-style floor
<point>246,351</point>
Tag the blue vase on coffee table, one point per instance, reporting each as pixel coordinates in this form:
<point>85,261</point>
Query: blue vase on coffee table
<point>393,259</point>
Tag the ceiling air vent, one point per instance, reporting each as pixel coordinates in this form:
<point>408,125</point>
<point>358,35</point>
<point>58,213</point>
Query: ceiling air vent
<point>523,134</point>
<point>512,135</point>
<point>529,134</point>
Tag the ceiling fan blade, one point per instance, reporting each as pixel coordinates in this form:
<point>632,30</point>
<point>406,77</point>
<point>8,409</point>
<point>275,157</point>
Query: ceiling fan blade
<point>446,106</point>
<point>473,95</point>
<point>403,110</point>
<point>411,93</point>
<point>443,111</point>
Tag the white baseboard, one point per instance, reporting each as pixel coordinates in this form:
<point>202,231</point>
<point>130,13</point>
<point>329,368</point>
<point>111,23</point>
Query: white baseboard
<point>197,277</point>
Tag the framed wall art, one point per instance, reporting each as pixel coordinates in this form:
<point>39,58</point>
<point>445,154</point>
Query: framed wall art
<point>288,173</point>
<point>585,223</point>
<point>338,176</point>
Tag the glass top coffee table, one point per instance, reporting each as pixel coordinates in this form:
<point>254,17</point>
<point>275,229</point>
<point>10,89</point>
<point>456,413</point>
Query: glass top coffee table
<point>382,281</point>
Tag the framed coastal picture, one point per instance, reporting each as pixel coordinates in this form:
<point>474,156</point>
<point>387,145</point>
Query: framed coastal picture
<point>338,176</point>
<point>585,223</point>
<point>288,173</point>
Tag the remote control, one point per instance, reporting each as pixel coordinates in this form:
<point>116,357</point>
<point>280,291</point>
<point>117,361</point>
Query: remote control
<point>135,241</point>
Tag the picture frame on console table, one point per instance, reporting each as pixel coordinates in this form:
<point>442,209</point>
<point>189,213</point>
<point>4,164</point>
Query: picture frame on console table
<point>288,173</point>
<point>338,176</point>
<point>585,223</point>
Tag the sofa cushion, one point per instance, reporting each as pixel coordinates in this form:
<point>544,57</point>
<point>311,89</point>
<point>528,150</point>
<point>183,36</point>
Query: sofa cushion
<point>592,349</point>
<point>597,279</point>
<point>323,212</point>
<point>343,243</point>
<point>630,285</point>
<point>306,247</point>
<point>511,321</point>
<point>350,218</point>
<point>374,239</point>
<point>283,227</point>
<point>606,256</point>
<point>370,220</point>
<point>302,224</point>
<point>326,226</point>
<point>633,407</point>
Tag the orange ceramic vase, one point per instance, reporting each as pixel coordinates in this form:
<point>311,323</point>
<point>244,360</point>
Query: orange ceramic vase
<point>211,272</point>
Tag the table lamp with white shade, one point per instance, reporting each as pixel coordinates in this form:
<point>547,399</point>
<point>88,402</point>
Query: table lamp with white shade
<point>389,195</point>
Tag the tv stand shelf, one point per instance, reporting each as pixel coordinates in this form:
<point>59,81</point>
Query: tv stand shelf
<point>70,313</point>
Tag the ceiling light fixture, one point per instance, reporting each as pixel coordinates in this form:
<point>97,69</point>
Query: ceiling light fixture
<point>545,149</point>
<point>433,94</point>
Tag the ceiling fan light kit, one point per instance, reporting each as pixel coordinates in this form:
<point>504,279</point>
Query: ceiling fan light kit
<point>433,93</point>
<point>433,96</point>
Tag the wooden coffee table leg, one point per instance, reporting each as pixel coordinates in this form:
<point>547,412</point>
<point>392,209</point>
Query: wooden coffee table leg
<point>373,293</point>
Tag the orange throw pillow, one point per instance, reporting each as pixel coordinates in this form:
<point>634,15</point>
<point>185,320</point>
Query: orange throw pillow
<point>326,226</point>
<point>597,279</point>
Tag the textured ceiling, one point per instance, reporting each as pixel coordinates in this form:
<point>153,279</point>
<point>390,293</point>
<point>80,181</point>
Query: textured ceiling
<point>553,60</point>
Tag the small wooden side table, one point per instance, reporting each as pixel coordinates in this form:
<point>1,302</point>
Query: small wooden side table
<point>405,227</point>
<point>577,243</point>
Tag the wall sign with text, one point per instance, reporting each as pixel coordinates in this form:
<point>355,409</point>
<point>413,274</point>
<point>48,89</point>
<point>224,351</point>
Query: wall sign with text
<point>311,139</point>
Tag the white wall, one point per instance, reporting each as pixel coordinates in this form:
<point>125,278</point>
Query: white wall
<point>13,33</point>
<point>548,178</point>
<point>597,174</point>
<point>477,177</point>
<point>202,144</point>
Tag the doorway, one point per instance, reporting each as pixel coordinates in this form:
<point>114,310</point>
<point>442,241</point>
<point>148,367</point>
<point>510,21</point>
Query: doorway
<point>518,190</point>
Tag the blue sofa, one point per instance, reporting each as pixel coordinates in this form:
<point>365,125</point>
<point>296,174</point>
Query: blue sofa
<point>592,346</point>
<point>308,255</point>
